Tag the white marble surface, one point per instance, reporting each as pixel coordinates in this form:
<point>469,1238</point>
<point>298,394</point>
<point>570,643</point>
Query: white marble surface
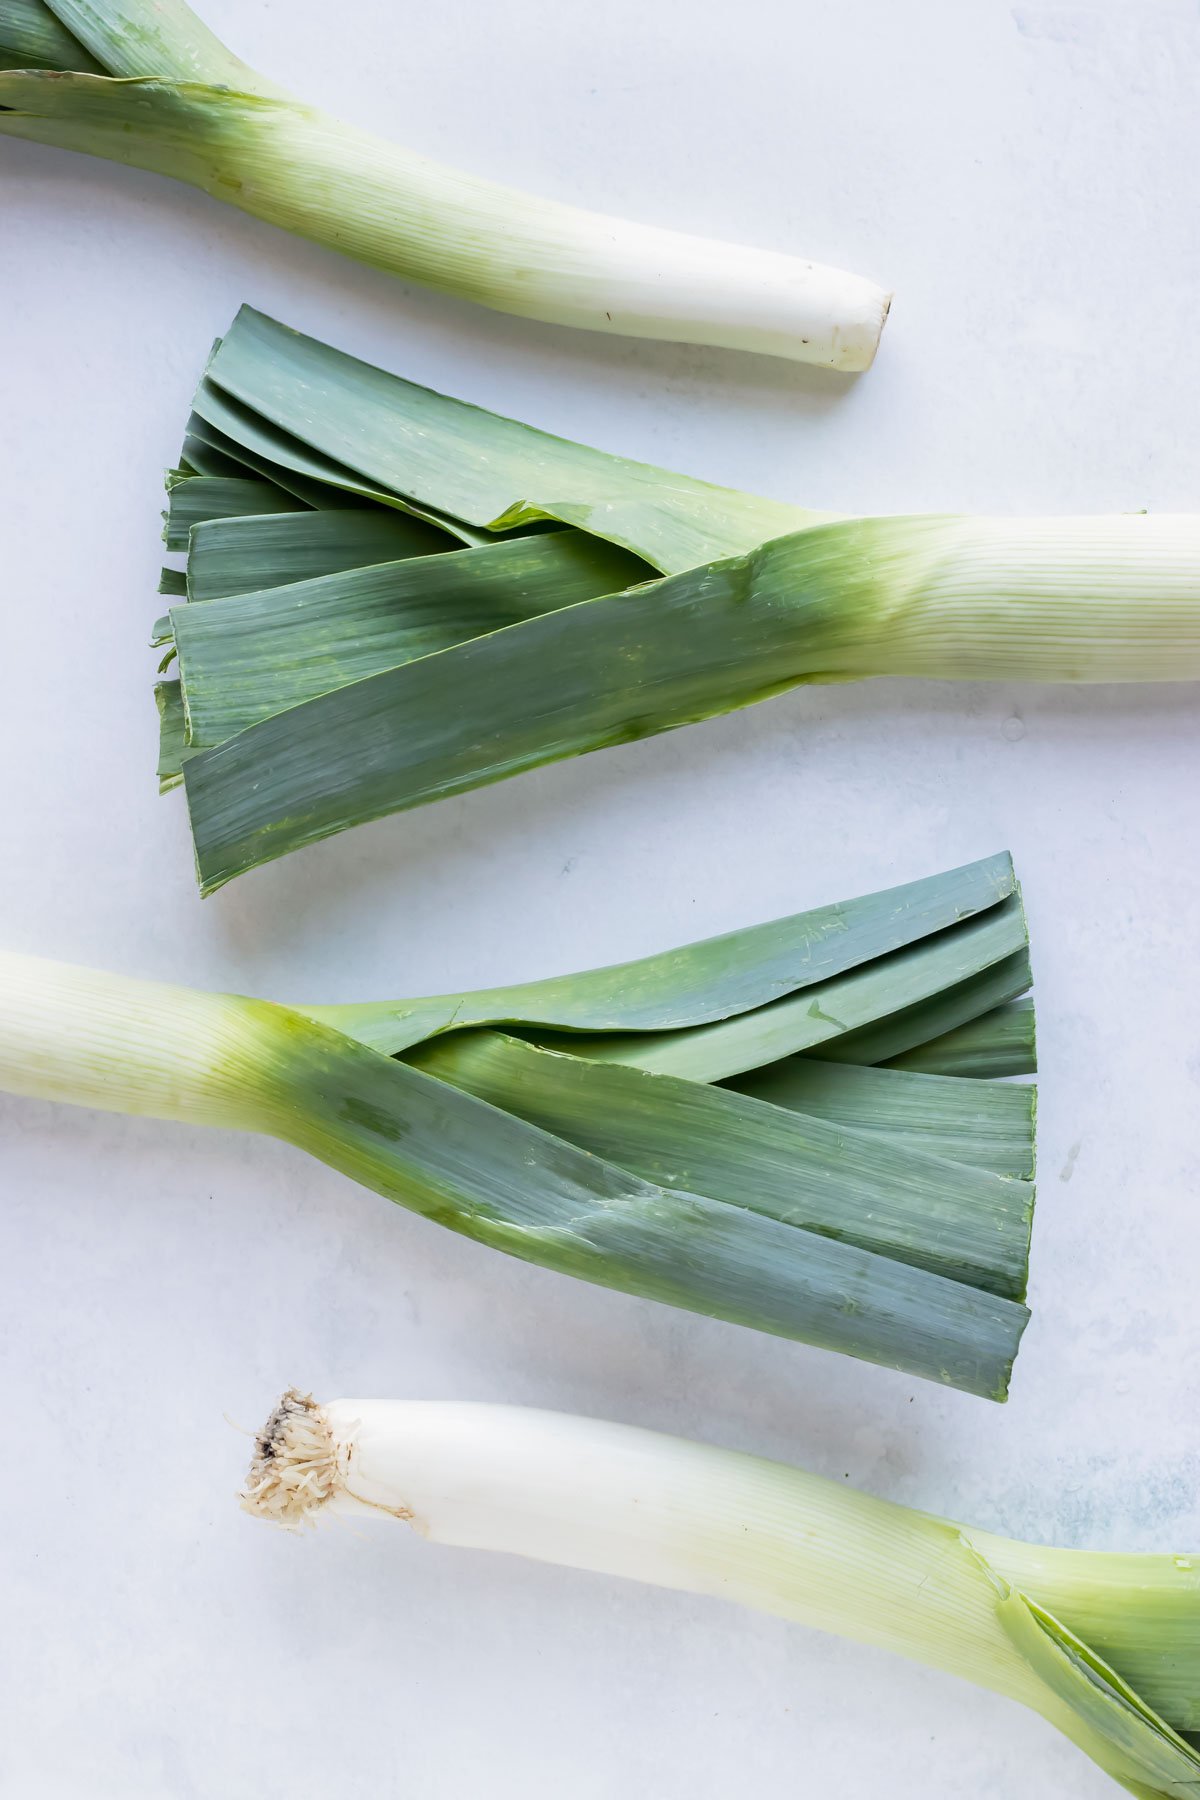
<point>1025,176</point>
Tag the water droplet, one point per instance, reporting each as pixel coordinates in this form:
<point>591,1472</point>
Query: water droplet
<point>1013,729</point>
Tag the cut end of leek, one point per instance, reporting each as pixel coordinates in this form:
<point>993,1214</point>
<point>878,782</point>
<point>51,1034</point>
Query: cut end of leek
<point>876,307</point>
<point>295,1467</point>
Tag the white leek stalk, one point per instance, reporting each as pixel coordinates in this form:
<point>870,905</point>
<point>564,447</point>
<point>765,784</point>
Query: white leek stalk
<point>627,1502</point>
<point>87,1038</point>
<point>185,107</point>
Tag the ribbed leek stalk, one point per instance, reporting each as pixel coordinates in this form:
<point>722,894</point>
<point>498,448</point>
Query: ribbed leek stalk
<point>182,105</point>
<point>1104,1646</point>
<point>461,597</point>
<point>714,1127</point>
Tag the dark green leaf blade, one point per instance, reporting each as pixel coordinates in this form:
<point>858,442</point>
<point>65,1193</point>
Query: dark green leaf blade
<point>997,1043</point>
<point>198,457</point>
<point>700,983</point>
<point>844,1016</point>
<point>244,555</point>
<point>482,1172</point>
<point>489,471</point>
<point>164,38</point>
<point>31,37</point>
<point>172,584</point>
<point>251,655</point>
<point>203,497</point>
<point>863,1188</point>
<point>236,431</point>
<point>987,1123</point>
<point>893,1033</point>
<point>172,734</point>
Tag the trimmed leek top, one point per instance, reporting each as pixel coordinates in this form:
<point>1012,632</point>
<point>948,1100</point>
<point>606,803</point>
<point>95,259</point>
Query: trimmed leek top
<point>144,82</point>
<point>797,1127</point>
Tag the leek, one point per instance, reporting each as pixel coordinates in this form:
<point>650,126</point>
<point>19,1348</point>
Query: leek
<point>608,1125</point>
<point>143,82</point>
<point>334,673</point>
<point>1103,1645</point>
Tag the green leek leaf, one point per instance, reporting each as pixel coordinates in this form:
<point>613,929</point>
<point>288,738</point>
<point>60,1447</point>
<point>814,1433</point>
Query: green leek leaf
<point>876,1191</point>
<point>718,978</point>
<point>165,38</point>
<point>1002,1042</point>
<point>989,1123</point>
<point>346,627</point>
<point>172,734</point>
<point>31,37</point>
<point>1099,1711</point>
<point>908,1029</point>
<point>228,555</point>
<point>488,471</point>
<point>839,1016</point>
<point>202,497</point>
